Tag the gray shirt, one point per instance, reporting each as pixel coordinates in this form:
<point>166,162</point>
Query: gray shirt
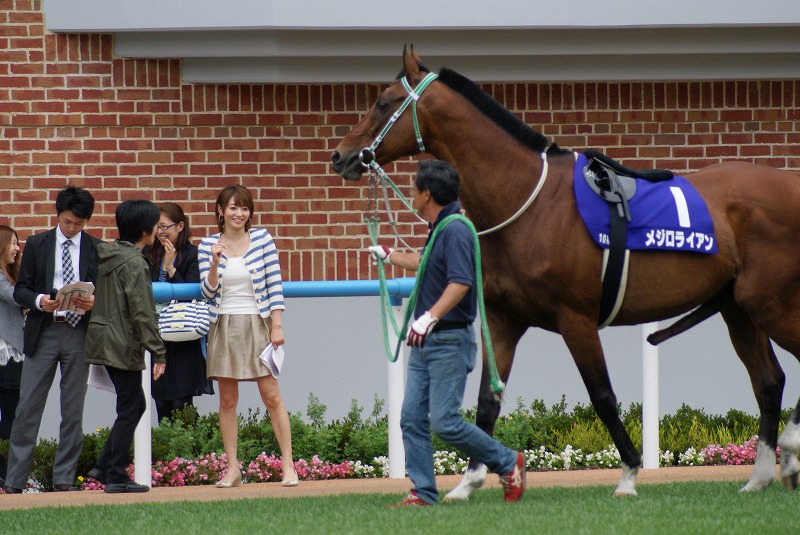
<point>11,320</point>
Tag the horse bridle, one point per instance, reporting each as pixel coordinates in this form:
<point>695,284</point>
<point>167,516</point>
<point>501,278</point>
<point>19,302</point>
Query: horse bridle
<point>367,154</point>
<point>368,160</point>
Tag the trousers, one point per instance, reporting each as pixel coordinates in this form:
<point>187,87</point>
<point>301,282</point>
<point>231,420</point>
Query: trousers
<point>59,346</point>
<point>435,383</point>
<point>131,404</point>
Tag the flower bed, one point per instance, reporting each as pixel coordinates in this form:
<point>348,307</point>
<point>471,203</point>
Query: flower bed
<point>208,469</point>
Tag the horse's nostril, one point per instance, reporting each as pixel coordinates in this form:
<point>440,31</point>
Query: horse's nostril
<point>335,156</point>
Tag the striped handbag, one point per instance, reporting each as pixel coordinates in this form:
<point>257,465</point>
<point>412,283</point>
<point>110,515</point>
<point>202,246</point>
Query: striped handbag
<point>181,321</point>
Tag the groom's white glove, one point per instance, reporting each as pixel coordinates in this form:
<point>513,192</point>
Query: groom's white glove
<point>381,252</point>
<point>420,329</point>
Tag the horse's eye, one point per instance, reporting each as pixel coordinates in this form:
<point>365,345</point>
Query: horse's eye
<point>382,106</point>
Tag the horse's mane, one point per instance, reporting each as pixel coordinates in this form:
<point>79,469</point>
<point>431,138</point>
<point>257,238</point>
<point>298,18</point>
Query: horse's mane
<point>496,112</point>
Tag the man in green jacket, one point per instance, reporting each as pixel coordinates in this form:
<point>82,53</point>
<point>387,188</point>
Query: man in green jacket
<point>122,328</point>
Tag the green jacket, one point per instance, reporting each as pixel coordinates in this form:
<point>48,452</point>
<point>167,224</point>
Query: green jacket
<point>124,322</point>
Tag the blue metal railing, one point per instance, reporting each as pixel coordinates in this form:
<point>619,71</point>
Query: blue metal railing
<point>398,289</point>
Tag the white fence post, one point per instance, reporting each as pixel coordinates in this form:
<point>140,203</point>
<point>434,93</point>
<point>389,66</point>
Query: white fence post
<point>142,444</point>
<point>649,398</point>
<point>397,456</point>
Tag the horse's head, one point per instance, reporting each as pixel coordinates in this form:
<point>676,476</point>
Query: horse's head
<point>357,149</point>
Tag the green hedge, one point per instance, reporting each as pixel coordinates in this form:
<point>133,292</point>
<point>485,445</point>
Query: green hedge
<point>360,438</point>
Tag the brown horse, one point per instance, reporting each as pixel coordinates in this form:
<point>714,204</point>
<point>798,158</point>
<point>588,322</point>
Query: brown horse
<point>543,269</point>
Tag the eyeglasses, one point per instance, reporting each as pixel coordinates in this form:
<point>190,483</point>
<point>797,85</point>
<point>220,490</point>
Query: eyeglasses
<point>165,227</point>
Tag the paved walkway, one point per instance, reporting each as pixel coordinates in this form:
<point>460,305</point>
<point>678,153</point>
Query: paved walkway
<point>206,493</point>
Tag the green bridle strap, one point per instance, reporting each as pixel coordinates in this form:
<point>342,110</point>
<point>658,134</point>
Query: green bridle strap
<point>497,384</point>
<point>413,96</point>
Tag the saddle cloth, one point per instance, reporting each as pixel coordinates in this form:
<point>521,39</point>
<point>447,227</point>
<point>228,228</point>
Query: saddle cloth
<point>668,215</point>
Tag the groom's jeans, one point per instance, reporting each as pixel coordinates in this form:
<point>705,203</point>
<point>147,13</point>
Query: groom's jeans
<point>437,376</point>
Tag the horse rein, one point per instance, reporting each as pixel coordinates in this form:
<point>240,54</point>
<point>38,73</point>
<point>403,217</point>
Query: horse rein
<point>368,160</point>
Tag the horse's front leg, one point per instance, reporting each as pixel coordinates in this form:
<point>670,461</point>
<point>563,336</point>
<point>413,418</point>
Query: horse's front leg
<point>504,343</point>
<point>582,339</point>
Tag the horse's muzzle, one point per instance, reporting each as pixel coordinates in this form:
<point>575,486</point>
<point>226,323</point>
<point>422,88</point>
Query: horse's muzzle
<point>350,167</point>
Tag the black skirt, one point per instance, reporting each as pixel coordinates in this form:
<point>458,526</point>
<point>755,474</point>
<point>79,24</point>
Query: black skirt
<point>185,374</point>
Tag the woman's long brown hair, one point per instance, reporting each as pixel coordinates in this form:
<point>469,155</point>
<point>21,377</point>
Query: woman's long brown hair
<point>175,213</point>
<point>6,235</point>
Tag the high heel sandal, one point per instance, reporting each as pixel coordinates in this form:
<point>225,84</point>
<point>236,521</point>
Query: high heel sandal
<point>235,482</point>
<point>293,482</point>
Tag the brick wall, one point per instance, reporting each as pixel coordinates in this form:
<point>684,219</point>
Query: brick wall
<point>72,112</point>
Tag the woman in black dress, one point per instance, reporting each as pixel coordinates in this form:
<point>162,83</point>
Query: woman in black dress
<point>11,322</point>
<point>173,258</point>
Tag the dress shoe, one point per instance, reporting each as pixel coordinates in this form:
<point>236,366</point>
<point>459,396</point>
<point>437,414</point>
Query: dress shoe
<point>128,486</point>
<point>235,482</point>
<point>65,487</point>
<point>97,475</point>
<point>12,490</point>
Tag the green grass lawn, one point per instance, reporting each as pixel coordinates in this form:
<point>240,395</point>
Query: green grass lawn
<point>676,508</point>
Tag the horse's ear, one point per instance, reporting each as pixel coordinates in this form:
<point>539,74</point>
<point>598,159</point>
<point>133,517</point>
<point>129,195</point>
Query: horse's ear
<point>414,55</point>
<point>409,62</point>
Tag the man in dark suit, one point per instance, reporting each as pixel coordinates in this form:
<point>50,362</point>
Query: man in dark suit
<point>52,338</point>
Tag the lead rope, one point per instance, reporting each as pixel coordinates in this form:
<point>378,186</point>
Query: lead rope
<point>497,384</point>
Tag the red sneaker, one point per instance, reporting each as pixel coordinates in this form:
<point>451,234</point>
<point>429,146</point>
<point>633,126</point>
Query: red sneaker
<point>410,500</point>
<point>514,482</point>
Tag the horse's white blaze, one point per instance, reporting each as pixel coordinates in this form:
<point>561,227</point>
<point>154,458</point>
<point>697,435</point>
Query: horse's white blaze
<point>627,485</point>
<point>764,469</point>
<point>471,480</point>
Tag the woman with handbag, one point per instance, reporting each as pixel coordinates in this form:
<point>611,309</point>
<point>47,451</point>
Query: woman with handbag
<point>11,325</point>
<point>172,258</point>
<point>241,276</point>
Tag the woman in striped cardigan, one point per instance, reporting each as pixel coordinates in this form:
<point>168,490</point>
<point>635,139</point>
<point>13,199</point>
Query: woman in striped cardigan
<point>240,275</point>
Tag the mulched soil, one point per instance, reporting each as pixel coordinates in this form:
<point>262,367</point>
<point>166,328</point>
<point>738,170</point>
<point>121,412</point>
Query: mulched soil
<point>208,493</point>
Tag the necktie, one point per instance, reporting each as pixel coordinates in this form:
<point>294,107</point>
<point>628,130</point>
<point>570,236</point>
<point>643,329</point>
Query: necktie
<point>69,277</point>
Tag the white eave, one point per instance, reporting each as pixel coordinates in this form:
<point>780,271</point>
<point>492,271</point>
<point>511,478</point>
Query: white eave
<point>304,41</point>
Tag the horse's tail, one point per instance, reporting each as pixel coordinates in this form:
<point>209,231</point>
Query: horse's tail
<point>698,315</point>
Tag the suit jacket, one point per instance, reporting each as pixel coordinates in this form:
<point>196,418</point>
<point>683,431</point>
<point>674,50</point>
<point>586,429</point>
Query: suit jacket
<point>36,274</point>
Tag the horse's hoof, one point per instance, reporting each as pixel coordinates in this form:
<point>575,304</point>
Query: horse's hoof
<point>472,480</point>
<point>627,484</point>
<point>751,487</point>
<point>790,482</point>
<point>790,468</point>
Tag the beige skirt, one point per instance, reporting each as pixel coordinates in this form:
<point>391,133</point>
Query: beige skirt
<point>235,342</point>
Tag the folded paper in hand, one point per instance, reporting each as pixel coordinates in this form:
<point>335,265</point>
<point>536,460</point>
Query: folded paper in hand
<point>273,359</point>
<point>68,292</point>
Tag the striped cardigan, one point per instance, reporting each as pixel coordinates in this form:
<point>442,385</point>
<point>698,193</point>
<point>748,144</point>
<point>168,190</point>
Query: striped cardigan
<point>262,263</point>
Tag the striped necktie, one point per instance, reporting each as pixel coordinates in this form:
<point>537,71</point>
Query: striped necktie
<point>69,277</point>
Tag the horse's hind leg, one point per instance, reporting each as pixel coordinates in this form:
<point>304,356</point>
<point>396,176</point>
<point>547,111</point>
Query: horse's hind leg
<point>505,338</point>
<point>755,351</point>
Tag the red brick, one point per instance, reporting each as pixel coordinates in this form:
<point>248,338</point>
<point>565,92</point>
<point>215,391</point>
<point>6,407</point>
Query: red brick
<point>131,128</point>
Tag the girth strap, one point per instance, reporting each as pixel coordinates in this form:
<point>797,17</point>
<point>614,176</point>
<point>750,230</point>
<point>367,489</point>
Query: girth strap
<point>615,268</point>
